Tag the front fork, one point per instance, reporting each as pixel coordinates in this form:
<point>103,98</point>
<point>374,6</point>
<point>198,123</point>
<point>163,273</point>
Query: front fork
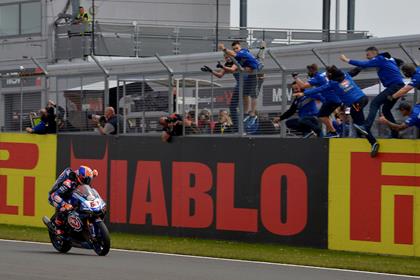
<point>91,228</point>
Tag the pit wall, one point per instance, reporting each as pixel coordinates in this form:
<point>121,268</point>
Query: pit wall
<point>305,192</point>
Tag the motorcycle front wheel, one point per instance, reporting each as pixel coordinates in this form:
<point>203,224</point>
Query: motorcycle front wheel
<point>103,240</point>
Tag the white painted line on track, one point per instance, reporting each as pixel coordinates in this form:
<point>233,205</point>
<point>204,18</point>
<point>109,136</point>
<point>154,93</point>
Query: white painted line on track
<point>232,260</point>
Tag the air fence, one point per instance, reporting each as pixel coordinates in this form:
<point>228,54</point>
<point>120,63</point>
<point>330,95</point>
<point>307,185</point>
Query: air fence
<point>206,103</point>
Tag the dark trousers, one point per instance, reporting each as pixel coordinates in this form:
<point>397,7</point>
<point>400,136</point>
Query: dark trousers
<point>356,113</point>
<point>304,124</point>
<point>250,86</point>
<point>382,99</point>
<point>233,108</point>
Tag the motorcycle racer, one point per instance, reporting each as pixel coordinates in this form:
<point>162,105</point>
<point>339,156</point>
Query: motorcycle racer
<point>62,189</point>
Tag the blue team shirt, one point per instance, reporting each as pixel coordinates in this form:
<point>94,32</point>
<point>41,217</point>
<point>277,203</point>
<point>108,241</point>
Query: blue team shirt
<point>415,80</point>
<point>387,69</point>
<point>306,107</point>
<point>346,91</point>
<point>414,118</point>
<point>247,59</point>
<point>40,128</point>
<point>320,79</point>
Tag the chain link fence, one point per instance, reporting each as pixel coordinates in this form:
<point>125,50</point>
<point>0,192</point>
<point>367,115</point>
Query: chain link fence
<point>240,103</point>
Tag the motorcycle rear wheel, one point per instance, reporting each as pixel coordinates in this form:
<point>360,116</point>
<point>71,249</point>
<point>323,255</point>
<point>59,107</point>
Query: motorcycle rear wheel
<point>62,246</point>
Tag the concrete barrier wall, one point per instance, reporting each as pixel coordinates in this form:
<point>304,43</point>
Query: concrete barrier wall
<point>27,172</point>
<point>374,204</point>
<point>313,192</point>
<point>232,188</point>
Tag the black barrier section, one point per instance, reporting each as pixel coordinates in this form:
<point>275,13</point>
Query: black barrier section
<point>262,189</point>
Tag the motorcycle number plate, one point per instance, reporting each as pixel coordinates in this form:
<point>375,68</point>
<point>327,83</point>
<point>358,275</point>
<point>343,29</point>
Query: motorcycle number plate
<point>75,222</point>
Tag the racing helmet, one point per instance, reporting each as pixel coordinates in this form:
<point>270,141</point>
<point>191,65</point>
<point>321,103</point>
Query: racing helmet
<point>84,175</point>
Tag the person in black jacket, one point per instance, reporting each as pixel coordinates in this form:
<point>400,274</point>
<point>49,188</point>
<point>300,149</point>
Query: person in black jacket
<point>51,117</point>
<point>305,106</point>
<point>172,125</point>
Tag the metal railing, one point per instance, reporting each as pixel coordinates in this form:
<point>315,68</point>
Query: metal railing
<point>207,104</point>
<point>142,96</point>
<point>132,40</point>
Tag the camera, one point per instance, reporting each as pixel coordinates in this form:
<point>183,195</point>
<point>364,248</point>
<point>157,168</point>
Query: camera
<point>100,119</point>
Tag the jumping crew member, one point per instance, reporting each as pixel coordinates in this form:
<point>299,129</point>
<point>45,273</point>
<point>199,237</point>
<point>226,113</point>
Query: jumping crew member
<point>306,108</point>
<point>342,85</point>
<point>406,110</point>
<point>251,65</point>
<point>389,75</point>
<point>332,102</point>
<point>412,72</point>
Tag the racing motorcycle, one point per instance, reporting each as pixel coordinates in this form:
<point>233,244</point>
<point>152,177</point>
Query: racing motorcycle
<point>84,227</point>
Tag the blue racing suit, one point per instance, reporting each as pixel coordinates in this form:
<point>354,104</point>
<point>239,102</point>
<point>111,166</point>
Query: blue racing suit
<point>62,188</point>
<point>61,192</point>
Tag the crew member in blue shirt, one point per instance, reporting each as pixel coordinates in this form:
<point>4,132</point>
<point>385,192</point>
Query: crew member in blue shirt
<point>331,103</point>
<point>307,110</point>
<point>406,110</point>
<point>251,66</point>
<point>412,72</point>
<point>391,78</point>
<point>42,127</point>
<point>342,85</point>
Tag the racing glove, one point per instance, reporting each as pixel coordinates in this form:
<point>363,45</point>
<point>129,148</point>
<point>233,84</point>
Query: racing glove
<point>66,207</point>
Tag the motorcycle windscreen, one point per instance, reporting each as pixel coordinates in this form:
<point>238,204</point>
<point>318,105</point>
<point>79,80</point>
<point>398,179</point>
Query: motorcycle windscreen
<point>87,192</point>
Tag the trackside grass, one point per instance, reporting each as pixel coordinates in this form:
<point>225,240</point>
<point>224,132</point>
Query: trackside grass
<point>240,250</point>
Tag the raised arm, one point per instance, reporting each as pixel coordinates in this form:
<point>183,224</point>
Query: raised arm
<point>230,53</point>
<point>290,112</point>
<point>355,71</point>
<point>261,52</point>
<point>231,69</point>
<point>374,62</point>
<point>392,125</point>
<point>314,91</point>
<point>402,91</point>
<point>219,73</point>
<point>302,84</point>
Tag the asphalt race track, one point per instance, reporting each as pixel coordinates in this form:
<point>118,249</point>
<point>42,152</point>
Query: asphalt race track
<point>22,260</point>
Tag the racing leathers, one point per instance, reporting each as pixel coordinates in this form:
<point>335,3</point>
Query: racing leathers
<point>60,194</point>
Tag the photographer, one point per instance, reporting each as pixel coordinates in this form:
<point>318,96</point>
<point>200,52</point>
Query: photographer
<point>228,67</point>
<point>108,124</point>
<point>51,117</point>
<point>171,126</point>
<point>47,123</point>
